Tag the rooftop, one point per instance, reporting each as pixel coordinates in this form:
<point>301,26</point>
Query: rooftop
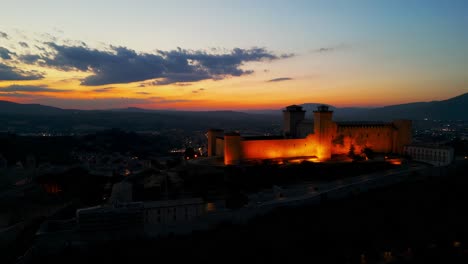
<point>428,146</point>
<point>172,203</point>
<point>323,108</point>
<point>293,108</point>
<point>363,123</point>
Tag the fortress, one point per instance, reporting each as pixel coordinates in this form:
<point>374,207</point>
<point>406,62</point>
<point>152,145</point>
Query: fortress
<point>318,139</point>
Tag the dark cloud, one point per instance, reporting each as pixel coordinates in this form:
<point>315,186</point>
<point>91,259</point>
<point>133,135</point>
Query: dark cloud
<point>334,48</point>
<point>30,58</point>
<point>280,79</point>
<point>143,93</point>
<point>162,100</point>
<point>169,101</point>
<point>8,73</point>
<point>5,53</point>
<point>29,88</point>
<point>199,90</point>
<point>3,35</point>
<point>17,95</point>
<point>118,66</point>
<point>40,48</point>
<point>321,50</point>
<point>123,65</point>
<point>170,78</point>
<point>103,90</point>
<point>91,103</point>
<point>285,56</point>
<point>23,44</point>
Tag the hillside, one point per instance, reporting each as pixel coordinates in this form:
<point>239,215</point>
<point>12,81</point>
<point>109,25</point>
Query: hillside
<point>7,107</point>
<point>25,118</point>
<point>455,108</point>
<point>35,117</point>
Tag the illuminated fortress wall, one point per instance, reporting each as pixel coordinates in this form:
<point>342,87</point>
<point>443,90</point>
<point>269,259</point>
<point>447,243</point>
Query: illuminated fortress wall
<point>219,146</point>
<point>213,147</point>
<point>402,136</point>
<point>377,137</point>
<point>279,148</point>
<point>328,138</point>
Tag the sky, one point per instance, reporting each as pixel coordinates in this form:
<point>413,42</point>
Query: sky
<point>231,55</point>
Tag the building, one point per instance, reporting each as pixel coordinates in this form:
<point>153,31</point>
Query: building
<point>173,211</point>
<point>128,216</point>
<point>136,215</point>
<point>319,139</point>
<point>432,154</point>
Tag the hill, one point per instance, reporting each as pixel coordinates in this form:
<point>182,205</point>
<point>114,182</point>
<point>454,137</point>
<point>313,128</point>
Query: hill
<point>25,118</point>
<point>7,107</point>
<point>455,108</point>
<point>40,118</point>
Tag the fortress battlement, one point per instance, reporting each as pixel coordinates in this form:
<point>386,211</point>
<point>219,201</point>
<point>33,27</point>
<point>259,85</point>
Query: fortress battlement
<point>321,139</point>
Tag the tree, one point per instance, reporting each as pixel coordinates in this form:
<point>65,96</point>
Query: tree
<point>368,152</point>
<point>351,152</point>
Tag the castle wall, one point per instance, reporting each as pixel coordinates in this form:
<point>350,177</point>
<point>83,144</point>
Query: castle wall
<point>232,149</point>
<point>220,146</point>
<point>281,148</point>
<point>329,138</point>
<point>378,138</point>
<point>402,135</point>
<point>324,129</point>
<point>212,134</point>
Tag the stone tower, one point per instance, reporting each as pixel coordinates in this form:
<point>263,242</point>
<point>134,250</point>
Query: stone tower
<point>324,129</point>
<point>212,135</point>
<point>292,116</point>
<point>232,148</point>
<point>402,136</point>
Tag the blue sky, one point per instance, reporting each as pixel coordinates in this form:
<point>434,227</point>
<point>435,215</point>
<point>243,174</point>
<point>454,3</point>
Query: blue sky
<point>411,50</point>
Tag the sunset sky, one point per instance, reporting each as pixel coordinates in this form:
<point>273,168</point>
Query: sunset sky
<point>206,55</point>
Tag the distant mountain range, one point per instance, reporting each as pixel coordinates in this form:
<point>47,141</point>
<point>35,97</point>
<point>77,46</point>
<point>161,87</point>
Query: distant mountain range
<point>7,107</point>
<point>455,108</point>
<point>35,117</point>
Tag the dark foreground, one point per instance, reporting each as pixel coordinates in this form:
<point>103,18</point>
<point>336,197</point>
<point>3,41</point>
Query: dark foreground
<point>416,222</point>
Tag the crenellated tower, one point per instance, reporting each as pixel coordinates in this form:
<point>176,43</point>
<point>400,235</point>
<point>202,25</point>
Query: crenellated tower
<point>232,148</point>
<point>212,135</point>
<point>324,129</point>
<point>292,116</point>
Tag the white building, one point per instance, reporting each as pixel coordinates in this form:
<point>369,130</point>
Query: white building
<point>111,217</point>
<point>172,211</point>
<point>435,155</point>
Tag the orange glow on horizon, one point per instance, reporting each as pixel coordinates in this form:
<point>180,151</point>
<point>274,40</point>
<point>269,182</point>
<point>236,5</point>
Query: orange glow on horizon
<point>249,92</point>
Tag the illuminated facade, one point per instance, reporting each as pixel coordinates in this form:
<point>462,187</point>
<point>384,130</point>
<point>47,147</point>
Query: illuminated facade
<point>320,139</point>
